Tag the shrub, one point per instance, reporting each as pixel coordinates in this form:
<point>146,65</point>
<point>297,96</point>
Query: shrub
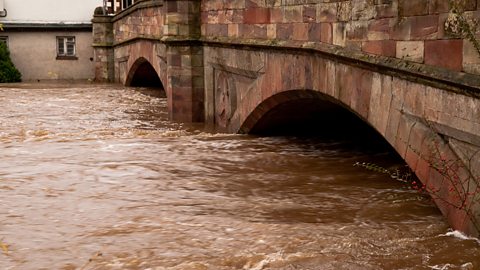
<point>8,71</point>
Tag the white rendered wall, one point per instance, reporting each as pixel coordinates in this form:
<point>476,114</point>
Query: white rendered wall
<point>43,11</point>
<point>40,63</point>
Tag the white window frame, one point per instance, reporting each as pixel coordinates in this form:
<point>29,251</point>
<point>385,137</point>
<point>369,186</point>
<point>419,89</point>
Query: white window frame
<point>63,43</point>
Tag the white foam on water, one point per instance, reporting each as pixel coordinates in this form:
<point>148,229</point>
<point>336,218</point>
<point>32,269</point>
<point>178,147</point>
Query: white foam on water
<point>268,259</point>
<point>460,235</point>
<point>465,266</point>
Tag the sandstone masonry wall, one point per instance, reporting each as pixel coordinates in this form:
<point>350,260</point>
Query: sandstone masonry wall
<point>141,22</point>
<point>412,30</point>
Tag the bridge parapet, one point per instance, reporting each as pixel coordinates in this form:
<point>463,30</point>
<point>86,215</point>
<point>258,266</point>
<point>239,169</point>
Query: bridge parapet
<point>409,30</point>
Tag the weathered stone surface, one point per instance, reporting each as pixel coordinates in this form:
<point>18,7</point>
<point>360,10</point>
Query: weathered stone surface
<point>424,27</point>
<point>309,14</point>
<point>327,12</point>
<point>438,6</point>
<point>339,34</point>
<point>471,58</point>
<point>413,8</point>
<point>410,50</point>
<point>363,10</point>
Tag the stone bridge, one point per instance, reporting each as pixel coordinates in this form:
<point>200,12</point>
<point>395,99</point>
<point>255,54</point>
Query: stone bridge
<point>249,65</point>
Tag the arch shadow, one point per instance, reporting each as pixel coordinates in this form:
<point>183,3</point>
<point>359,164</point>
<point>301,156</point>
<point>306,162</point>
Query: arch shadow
<point>309,113</point>
<point>143,74</point>
<point>294,111</point>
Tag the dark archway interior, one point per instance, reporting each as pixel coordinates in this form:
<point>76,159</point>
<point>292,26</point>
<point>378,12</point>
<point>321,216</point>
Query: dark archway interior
<point>316,117</point>
<point>146,76</point>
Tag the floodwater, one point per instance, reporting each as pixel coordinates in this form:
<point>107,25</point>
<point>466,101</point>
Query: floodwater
<point>96,177</point>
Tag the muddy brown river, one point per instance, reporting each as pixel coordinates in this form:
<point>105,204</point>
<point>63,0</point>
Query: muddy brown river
<point>96,177</point>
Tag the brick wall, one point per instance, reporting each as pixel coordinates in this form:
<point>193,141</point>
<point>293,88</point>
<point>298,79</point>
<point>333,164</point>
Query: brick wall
<point>407,29</point>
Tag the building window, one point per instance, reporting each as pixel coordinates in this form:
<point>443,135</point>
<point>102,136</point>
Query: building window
<point>66,47</point>
<point>126,3</point>
<point>4,39</point>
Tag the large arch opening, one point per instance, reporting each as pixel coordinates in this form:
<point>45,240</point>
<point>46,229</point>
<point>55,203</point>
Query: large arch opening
<point>143,74</point>
<point>304,113</point>
<point>350,151</point>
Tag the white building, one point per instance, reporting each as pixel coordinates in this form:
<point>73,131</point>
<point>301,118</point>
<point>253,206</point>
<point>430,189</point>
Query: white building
<point>49,39</point>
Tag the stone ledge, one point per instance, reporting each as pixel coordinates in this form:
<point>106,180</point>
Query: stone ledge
<point>458,82</point>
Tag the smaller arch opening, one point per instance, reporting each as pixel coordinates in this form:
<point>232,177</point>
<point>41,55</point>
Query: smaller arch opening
<point>143,74</point>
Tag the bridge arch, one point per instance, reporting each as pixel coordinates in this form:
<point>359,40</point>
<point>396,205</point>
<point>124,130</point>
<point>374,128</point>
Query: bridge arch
<point>143,74</point>
<point>414,140</point>
<point>294,112</point>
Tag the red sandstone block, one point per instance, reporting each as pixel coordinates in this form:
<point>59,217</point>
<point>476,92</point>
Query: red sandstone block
<point>345,84</point>
<point>309,14</point>
<point>414,99</point>
<point>327,33</point>
<point>444,53</point>
<point>327,12</point>
<point>362,92</point>
<point>284,31</point>
<point>232,4</point>
<point>174,60</point>
<point>380,47</point>
<point>403,133</point>
<point>220,30</point>
<point>314,32</point>
<point>256,16</point>
<point>254,3</point>
<point>392,126</point>
<point>411,158</point>
<point>230,16</point>
<point>424,27</point>
<point>253,30</point>
<point>172,6</point>
<point>293,14</point>
<point>276,15</point>
<point>420,133</point>
<point>183,7</point>
<point>357,30</point>
<point>355,45</point>
<point>438,6</point>
<point>402,29</point>
<point>210,4</point>
<point>381,25</point>
<point>386,11</point>
<point>330,78</point>
<point>235,15</point>
<point>300,31</point>
<point>412,7</point>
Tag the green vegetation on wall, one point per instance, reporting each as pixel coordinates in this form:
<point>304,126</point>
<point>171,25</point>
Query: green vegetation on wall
<point>8,71</point>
